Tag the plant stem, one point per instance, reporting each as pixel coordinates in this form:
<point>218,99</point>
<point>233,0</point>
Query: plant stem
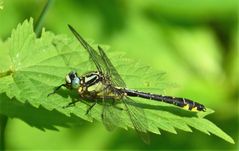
<point>3,123</point>
<point>39,23</point>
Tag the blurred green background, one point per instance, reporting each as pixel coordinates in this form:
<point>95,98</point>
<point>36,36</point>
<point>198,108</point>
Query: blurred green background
<point>194,42</point>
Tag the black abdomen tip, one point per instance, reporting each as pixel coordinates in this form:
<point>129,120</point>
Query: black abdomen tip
<point>201,108</point>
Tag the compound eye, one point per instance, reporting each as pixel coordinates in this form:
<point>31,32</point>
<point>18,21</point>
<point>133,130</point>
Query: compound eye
<point>72,75</point>
<point>68,79</point>
<point>75,83</point>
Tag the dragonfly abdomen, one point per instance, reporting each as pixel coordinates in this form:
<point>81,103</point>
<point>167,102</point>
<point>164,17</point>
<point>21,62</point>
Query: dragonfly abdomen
<point>181,102</point>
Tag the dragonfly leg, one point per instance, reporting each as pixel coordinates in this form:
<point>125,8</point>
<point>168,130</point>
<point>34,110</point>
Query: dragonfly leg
<point>73,103</point>
<point>56,89</point>
<point>88,110</point>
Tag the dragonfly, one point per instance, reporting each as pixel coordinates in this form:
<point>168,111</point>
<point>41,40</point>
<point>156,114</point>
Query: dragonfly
<point>106,84</point>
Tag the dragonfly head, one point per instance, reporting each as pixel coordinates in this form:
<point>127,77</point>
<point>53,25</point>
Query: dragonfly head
<point>72,80</point>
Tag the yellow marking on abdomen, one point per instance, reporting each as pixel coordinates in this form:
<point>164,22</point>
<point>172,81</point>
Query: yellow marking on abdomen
<point>186,107</point>
<point>194,109</point>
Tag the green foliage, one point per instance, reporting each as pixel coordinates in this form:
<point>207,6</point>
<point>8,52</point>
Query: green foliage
<point>31,67</point>
<point>1,4</point>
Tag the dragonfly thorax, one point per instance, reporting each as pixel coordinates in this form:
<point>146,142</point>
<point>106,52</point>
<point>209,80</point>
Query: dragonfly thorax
<point>72,80</point>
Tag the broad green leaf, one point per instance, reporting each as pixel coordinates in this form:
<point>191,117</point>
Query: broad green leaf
<point>45,119</point>
<point>5,60</point>
<point>37,65</point>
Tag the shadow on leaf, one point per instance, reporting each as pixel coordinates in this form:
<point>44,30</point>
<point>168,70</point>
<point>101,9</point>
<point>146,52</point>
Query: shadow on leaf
<point>38,117</point>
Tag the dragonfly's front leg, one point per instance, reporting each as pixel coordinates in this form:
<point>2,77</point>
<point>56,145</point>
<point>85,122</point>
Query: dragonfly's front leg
<point>56,89</point>
<point>73,103</point>
<point>88,110</point>
<point>93,96</point>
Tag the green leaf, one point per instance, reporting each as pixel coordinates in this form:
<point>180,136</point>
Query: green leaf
<point>37,65</point>
<point>1,4</point>
<point>37,117</point>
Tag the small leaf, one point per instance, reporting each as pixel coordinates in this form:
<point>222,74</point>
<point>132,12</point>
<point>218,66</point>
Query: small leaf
<point>38,65</point>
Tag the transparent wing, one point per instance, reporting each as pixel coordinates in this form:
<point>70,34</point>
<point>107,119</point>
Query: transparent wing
<point>137,118</point>
<point>102,62</point>
<point>111,116</point>
<point>112,72</point>
<point>96,58</point>
<point>107,118</point>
